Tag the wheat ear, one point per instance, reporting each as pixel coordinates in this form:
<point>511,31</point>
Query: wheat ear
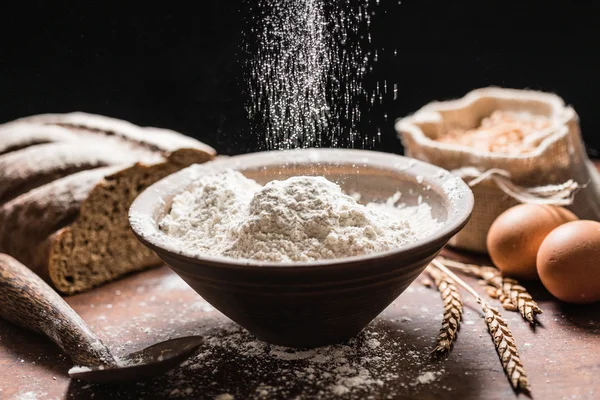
<point>512,295</point>
<point>453,309</point>
<point>501,335</point>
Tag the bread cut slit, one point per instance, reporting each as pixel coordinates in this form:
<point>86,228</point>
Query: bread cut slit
<point>34,166</point>
<point>15,137</point>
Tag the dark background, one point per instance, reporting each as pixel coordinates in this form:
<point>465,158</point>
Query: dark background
<point>180,68</point>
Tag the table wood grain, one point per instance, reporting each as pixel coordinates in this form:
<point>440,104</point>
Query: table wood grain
<point>562,355</point>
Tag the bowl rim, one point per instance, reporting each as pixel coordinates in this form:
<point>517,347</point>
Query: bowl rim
<point>145,227</point>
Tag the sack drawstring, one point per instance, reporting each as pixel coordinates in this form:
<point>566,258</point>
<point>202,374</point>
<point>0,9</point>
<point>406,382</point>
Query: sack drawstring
<point>562,194</point>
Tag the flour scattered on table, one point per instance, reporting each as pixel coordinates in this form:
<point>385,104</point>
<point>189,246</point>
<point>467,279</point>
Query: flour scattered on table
<point>224,396</point>
<point>79,369</point>
<point>372,363</point>
<point>173,282</point>
<point>386,360</point>
<point>302,218</point>
<point>428,377</point>
<point>177,392</point>
<point>30,395</point>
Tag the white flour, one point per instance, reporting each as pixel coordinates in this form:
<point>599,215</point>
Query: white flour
<point>299,219</point>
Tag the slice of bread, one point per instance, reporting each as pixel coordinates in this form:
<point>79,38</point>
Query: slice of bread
<point>74,230</point>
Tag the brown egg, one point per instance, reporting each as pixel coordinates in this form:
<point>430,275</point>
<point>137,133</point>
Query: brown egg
<point>516,235</point>
<point>569,262</point>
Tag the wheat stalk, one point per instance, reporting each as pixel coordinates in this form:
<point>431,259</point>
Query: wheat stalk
<point>453,309</point>
<point>506,347</point>
<point>512,295</point>
<point>501,335</point>
<point>517,296</point>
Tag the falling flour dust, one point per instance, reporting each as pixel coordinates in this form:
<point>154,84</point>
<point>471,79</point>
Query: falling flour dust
<point>303,218</point>
<point>305,66</point>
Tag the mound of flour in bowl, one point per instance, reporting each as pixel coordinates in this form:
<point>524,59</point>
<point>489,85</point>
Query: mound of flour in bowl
<point>304,218</point>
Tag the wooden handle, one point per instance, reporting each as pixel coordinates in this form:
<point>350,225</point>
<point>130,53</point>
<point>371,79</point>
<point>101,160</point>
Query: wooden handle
<point>26,300</point>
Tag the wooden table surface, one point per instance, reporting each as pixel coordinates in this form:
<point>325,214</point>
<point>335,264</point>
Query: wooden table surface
<point>390,359</point>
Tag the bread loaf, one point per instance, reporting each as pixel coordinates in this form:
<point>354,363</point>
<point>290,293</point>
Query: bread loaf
<point>74,230</point>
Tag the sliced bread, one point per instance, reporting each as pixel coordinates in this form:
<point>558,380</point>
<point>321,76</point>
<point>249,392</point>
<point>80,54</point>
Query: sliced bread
<point>74,230</point>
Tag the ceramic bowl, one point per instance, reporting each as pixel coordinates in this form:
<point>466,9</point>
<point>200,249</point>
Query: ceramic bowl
<point>318,303</point>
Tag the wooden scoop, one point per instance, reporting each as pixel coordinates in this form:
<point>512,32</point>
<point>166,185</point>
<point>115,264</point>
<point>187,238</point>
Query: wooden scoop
<point>27,301</point>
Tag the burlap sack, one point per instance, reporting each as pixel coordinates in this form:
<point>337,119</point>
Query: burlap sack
<point>557,171</point>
